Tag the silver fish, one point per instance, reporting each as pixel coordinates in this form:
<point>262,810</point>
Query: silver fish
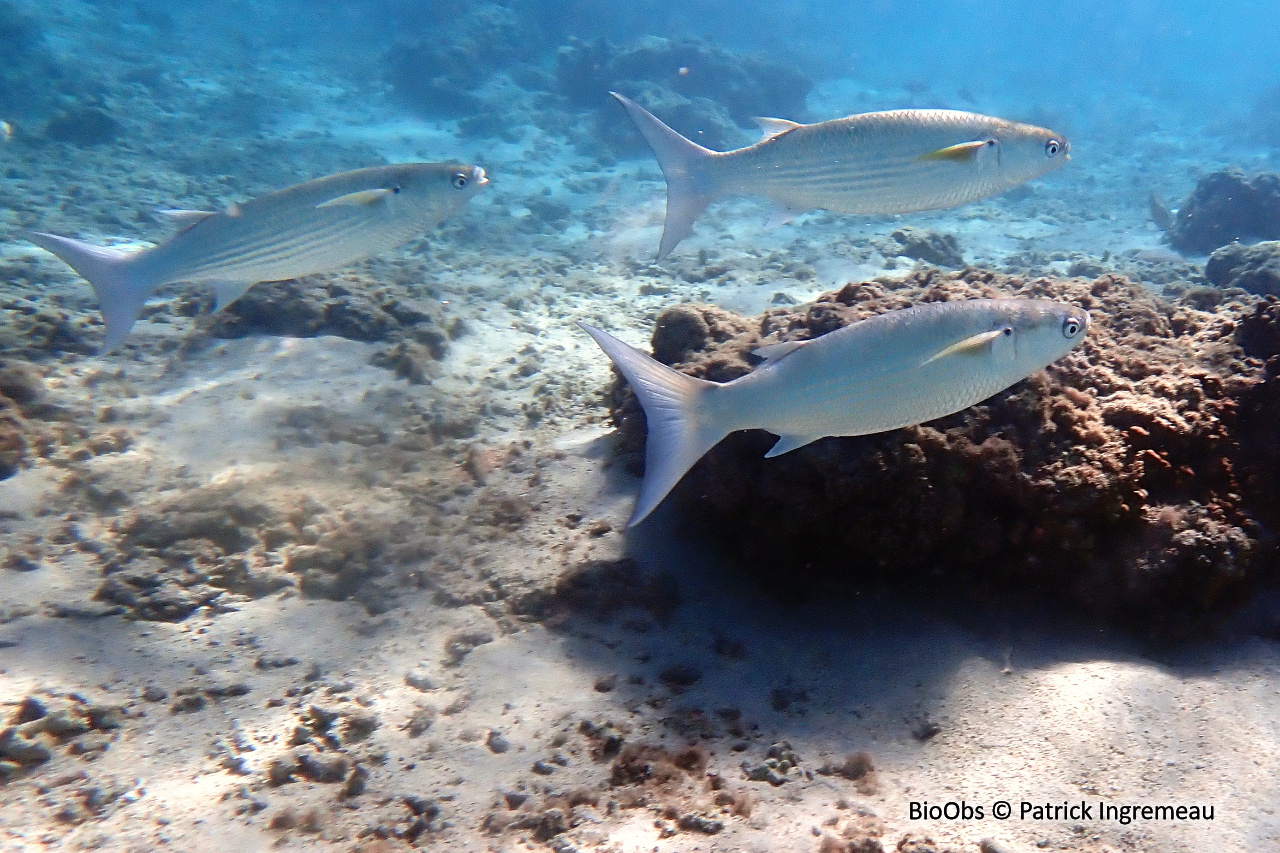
<point>889,371</point>
<point>304,229</point>
<point>886,162</point>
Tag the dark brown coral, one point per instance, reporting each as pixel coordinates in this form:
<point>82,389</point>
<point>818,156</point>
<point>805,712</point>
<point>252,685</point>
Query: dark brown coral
<point>1132,479</point>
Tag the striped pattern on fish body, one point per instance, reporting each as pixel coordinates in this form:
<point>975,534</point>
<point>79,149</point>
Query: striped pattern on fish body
<point>879,163</point>
<point>889,371</point>
<point>874,163</point>
<point>308,228</point>
<point>301,230</point>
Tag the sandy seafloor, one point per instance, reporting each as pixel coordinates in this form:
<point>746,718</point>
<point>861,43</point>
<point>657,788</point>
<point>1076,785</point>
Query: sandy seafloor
<point>457,525</point>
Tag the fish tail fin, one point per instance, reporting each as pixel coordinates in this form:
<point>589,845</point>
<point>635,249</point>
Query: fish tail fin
<point>681,429</point>
<point>687,166</point>
<point>115,275</point>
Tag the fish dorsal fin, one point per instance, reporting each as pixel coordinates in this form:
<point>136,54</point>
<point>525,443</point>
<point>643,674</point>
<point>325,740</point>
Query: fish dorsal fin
<point>965,152</point>
<point>970,345</point>
<point>771,127</point>
<point>788,443</point>
<point>227,292</point>
<point>185,218</point>
<point>772,352</point>
<point>366,198</point>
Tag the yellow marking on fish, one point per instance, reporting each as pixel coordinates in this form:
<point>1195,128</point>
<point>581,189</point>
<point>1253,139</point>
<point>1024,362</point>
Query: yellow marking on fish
<point>6,131</point>
<point>361,197</point>
<point>961,153</point>
<point>968,344</point>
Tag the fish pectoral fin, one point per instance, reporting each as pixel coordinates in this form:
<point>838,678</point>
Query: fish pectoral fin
<point>226,292</point>
<point>185,217</point>
<point>358,198</point>
<point>963,153</point>
<point>968,345</point>
<point>771,127</point>
<point>788,443</point>
<point>773,352</point>
<point>781,215</point>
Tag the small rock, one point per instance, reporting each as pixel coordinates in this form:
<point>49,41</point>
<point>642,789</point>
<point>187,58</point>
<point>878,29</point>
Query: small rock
<point>21,382</point>
<point>357,727</point>
<point>63,724</point>
<point>421,720</point>
<point>103,717</point>
<point>22,750</point>
<point>458,646</point>
<point>355,784</point>
<point>189,702</point>
<point>154,693</point>
<point>419,680</point>
<point>29,709</point>
<point>700,823</point>
<point>275,662</point>
<point>497,743</point>
<point>542,768</point>
<point>680,676</point>
<point>281,770</point>
<point>323,768</point>
<point>925,730</point>
<point>223,690</point>
<point>763,773</point>
<point>421,806</point>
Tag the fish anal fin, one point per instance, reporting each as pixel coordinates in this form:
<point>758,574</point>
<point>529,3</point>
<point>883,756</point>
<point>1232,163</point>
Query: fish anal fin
<point>788,443</point>
<point>359,198</point>
<point>773,352</point>
<point>970,345</point>
<point>965,152</point>
<point>771,127</point>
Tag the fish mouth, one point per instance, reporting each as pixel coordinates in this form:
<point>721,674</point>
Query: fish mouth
<point>481,180</point>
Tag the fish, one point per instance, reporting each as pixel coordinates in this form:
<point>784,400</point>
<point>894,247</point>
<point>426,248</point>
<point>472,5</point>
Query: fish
<point>898,161</point>
<point>312,227</point>
<point>888,371</point>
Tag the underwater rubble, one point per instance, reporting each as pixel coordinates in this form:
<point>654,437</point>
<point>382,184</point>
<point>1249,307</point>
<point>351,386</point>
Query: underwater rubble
<point>1227,206</point>
<point>1134,479</point>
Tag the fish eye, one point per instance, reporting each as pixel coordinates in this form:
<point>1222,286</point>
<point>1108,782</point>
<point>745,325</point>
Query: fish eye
<point>1007,331</point>
<point>396,189</point>
<point>1052,147</point>
<point>460,180</point>
<point>1071,327</point>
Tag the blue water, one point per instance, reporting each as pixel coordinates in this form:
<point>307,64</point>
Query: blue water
<point>370,490</point>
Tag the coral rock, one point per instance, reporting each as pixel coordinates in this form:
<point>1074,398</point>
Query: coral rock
<point>1252,268</point>
<point>1228,206</point>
